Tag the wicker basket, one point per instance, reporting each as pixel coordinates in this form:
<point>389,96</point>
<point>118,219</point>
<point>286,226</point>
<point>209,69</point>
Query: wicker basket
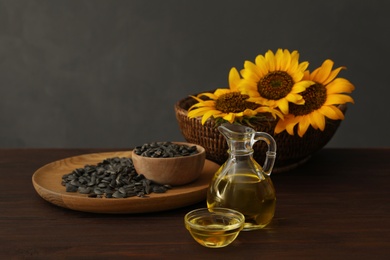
<point>292,151</point>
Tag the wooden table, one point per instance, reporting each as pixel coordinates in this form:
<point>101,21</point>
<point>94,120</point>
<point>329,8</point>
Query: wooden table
<point>336,206</point>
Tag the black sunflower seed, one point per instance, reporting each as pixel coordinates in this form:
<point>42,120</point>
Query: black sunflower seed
<point>111,178</point>
<point>165,150</point>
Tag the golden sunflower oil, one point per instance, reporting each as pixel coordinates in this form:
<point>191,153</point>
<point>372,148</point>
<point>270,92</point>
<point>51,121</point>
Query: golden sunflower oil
<point>247,193</point>
<point>212,233</point>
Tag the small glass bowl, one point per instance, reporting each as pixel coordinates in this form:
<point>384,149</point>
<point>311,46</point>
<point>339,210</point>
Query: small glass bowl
<point>217,227</point>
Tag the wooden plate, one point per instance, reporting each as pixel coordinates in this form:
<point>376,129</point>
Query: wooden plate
<point>47,183</point>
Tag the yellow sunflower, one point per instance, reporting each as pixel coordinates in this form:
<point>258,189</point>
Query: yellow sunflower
<point>321,100</point>
<point>275,80</point>
<point>229,104</point>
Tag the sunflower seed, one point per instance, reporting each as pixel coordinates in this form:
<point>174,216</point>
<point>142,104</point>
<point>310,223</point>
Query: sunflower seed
<point>111,178</point>
<point>84,190</point>
<point>165,150</point>
<point>70,187</point>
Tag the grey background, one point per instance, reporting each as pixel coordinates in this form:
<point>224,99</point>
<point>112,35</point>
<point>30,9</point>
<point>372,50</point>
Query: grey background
<point>108,73</point>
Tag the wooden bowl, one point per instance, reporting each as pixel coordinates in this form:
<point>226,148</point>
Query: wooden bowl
<point>173,171</point>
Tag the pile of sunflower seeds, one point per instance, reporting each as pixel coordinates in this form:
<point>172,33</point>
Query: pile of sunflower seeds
<point>112,178</point>
<point>165,150</point>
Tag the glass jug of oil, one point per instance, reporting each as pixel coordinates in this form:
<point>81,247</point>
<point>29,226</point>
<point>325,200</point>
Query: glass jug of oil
<point>241,183</point>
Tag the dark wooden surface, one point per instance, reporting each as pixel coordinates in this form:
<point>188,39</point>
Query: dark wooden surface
<point>336,206</point>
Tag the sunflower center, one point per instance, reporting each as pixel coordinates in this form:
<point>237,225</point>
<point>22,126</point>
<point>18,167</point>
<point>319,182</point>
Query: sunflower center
<point>275,85</point>
<point>233,102</point>
<point>314,96</point>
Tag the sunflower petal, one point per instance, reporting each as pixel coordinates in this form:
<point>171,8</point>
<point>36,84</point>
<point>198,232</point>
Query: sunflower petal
<point>340,85</point>
<point>295,98</point>
<point>306,75</point>
<point>332,112</point>
<point>280,127</point>
<point>270,60</point>
<point>294,55</point>
<point>290,125</point>
<point>196,106</point>
<point>247,112</point>
<point>206,103</point>
<point>283,105</point>
<point>279,55</point>
<point>221,91</point>
<point>208,114</point>
<point>240,114</point>
<point>303,125</point>
<point>313,122</point>
<point>333,74</point>
<point>274,112</point>
<point>286,61</point>
<point>197,98</point>
<point>199,112</point>
<point>234,79</point>
<point>260,63</point>
<point>250,71</point>
<point>229,117</point>
<point>303,66</point>
<point>335,99</point>
<point>206,94</point>
<point>317,120</point>
<point>301,86</point>
<point>322,73</point>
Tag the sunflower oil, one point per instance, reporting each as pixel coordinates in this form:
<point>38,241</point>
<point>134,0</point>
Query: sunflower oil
<point>247,193</point>
<point>214,234</point>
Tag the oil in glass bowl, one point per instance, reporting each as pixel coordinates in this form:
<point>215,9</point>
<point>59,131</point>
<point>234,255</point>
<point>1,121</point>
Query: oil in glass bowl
<point>214,228</point>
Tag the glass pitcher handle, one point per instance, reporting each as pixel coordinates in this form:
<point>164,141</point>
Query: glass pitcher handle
<point>271,153</point>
